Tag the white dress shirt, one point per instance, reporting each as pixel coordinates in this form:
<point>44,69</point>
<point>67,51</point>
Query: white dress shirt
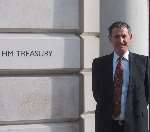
<point>125,64</point>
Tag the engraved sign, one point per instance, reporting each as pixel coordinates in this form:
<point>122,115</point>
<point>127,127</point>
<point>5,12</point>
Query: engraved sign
<point>39,52</point>
<point>27,53</point>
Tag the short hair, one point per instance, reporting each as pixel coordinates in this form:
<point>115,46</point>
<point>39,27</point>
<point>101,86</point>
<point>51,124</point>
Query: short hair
<point>119,24</point>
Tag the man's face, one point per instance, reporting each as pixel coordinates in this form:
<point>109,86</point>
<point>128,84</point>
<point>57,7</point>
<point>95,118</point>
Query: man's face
<point>120,39</point>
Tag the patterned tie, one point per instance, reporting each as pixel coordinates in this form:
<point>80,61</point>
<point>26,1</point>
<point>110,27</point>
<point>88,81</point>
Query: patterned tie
<point>118,79</point>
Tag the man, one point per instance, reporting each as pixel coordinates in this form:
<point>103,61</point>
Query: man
<point>121,85</point>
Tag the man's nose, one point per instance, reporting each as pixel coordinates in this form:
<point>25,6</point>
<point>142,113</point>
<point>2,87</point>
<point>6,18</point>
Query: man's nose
<point>121,40</point>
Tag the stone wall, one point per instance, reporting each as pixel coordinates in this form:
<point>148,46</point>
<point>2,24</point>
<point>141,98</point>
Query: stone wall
<point>46,51</point>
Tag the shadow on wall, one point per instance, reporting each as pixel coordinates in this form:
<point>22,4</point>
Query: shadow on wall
<point>66,101</point>
<point>65,14</point>
<point>65,98</point>
<point>72,55</point>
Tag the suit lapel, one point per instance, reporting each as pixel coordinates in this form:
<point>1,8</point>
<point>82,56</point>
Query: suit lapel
<point>109,86</point>
<point>109,68</point>
<point>131,69</point>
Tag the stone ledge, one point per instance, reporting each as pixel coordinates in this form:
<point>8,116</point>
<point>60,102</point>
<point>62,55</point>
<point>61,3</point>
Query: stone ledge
<point>88,122</point>
<point>57,127</point>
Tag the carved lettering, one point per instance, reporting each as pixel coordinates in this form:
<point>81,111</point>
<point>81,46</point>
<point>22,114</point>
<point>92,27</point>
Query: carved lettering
<point>26,53</point>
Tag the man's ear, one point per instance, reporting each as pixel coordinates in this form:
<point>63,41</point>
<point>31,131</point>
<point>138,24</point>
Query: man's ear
<point>131,36</point>
<point>109,37</point>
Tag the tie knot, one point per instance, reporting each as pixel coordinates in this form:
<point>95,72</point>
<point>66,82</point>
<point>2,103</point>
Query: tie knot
<point>119,58</point>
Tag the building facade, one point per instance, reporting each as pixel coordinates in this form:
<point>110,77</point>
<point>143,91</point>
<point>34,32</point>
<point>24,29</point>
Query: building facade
<point>46,51</point>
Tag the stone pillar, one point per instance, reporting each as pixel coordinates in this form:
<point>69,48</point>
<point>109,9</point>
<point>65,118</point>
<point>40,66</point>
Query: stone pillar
<point>90,45</point>
<point>133,12</point>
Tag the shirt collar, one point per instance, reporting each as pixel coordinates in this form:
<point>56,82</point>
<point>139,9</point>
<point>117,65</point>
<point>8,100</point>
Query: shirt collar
<point>125,56</point>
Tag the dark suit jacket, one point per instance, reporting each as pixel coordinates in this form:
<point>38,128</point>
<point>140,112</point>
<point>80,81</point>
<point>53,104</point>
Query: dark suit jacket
<point>138,95</point>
